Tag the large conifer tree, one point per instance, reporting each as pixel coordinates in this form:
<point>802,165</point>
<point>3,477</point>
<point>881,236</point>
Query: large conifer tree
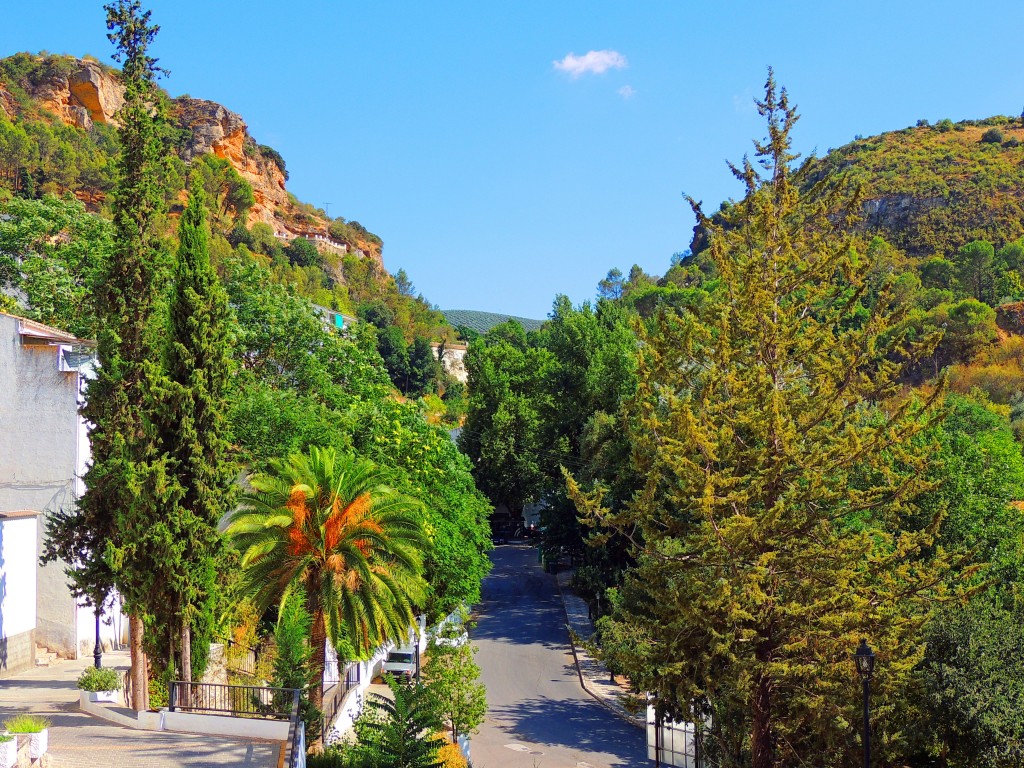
<point>117,501</point>
<point>779,461</point>
<point>189,421</point>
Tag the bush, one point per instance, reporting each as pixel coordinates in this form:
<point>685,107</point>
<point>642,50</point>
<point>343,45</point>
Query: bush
<point>26,724</point>
<point>992,136</point>
<point>105,679</point>
<point>337,756</point>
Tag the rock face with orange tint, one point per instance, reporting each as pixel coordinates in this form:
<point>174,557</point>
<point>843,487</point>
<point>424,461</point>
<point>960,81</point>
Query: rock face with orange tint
<point>212,128</point>
<point>90,94</point>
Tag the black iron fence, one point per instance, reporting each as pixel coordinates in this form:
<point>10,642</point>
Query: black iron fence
<point>334,699</point>
<point>232,700</point>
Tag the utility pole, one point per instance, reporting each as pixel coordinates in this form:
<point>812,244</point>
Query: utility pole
<point>327,209</point>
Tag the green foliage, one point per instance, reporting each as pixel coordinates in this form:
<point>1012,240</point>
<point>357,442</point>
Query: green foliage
<point>229,195</point>
<point>398,732</point>
<point>124,491</point>
<point>452,678</point>
<point>974,680</point>
<point>303,253</point>
<point>423,462</point>
<point>104,679</point>
<point>274,156</point>
<point>293,666</point>
<point>26,723</point>
<point>503,434</point>
<point>188,392</point>
<point>327,528</point>
<point>992,136</point>
<point>50,250</point>
<point>773,488</point>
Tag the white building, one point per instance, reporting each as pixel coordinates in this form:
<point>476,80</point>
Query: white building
<point>44,452</point>
<point>17,591</point>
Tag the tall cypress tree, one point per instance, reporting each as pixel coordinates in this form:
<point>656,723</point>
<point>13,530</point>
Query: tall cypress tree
<point>117,503</point>
<point>190,426</point>
<point>780,464</point>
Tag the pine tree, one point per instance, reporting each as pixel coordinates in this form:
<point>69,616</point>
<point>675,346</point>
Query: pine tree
<point>780,459</point>
<point>115,505</point>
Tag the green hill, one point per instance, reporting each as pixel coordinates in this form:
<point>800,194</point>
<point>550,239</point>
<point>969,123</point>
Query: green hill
<point>931,189</point>
<point>482,322</point>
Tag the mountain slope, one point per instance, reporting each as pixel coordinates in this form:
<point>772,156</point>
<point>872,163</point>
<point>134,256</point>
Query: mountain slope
<point>929,190</point>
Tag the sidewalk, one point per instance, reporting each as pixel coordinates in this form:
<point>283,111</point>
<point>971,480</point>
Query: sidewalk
<point>80,741</point>
<point>593,674</point>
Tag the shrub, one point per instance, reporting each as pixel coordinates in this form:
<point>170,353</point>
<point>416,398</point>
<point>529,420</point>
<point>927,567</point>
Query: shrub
<point>992,136</point>
<point>944,125</point>
<point>105,679</point>
<point>26,724</point>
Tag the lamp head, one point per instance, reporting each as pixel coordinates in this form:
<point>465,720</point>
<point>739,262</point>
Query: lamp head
<point>865,659</point>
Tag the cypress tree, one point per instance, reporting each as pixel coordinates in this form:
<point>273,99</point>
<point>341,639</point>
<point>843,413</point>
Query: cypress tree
<point>118,501</point>
<point>780,464</point>
<point>190,426</point>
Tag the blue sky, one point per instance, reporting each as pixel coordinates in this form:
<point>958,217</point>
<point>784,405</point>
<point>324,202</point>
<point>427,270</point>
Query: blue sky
<point>498,179</point>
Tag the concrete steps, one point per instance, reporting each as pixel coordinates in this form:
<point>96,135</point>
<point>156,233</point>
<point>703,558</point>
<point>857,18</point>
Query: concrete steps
<point>45,657</point>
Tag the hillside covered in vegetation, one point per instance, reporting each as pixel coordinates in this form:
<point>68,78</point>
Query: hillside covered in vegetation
<point>58,137</point>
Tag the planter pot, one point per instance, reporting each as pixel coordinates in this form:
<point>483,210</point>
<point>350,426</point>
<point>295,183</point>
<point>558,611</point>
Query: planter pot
<point>107,697</point>
<point>37,743</point>
<point>9,753</point>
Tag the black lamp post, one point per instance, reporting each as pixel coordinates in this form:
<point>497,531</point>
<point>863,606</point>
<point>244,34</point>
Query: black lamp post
<point>97,652</point>
<point>865,659</point>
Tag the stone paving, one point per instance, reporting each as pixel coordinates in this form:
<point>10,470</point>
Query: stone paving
<point>80,741</point>
<point>593,673</point>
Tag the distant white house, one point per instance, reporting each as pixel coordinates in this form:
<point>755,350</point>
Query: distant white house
<point>44,452</point>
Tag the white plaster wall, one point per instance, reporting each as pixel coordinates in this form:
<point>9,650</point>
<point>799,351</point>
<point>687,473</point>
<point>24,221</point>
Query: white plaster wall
<point>39,458</point>
<point>17,576</point>
<point>113,627</point>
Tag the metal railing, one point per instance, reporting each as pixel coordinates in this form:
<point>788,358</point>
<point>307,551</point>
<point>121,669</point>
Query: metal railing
<point>334,698</point>
<point>232,700</point>
<point>296,756</point>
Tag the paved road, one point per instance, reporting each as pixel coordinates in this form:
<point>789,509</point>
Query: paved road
<point>539,716</point>
<point>80,741</point>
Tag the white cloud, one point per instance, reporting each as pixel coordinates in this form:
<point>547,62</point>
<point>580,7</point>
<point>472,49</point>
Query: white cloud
<point>592,61</point>
<point>626,92</point>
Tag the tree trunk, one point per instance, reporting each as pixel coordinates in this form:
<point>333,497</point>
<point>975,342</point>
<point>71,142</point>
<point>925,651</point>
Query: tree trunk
<point>762,752</point>
<point>140,678</point>
<point>186,651</point>
<point>318,645</point>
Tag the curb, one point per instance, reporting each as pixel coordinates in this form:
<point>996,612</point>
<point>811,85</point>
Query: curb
<point>616,710</point>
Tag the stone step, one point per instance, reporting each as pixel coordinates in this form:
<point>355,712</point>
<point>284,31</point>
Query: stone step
<point>45,657</point>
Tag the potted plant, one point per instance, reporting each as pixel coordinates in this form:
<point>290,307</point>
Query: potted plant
<point>34,726</point>
<point>101,684</point>
<point>8,750</point>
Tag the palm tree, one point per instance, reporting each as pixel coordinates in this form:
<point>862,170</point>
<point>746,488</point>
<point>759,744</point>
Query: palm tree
<point>327,527</point>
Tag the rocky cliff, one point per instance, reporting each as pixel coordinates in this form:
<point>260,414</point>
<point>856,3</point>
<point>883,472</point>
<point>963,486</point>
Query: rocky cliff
<point>83,93</point>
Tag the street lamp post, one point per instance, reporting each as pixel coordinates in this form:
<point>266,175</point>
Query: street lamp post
<point>865,659</point>
<point>97,651</point>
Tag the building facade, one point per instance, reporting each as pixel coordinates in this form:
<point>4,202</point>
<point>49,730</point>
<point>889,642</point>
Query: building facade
<point>44,452</point>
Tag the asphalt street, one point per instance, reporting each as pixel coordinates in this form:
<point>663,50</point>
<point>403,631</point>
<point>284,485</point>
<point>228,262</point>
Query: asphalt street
<point>538,714</point>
